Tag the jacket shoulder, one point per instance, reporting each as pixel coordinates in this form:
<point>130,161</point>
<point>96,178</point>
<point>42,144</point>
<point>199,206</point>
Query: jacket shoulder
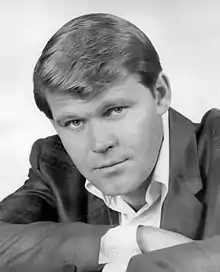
<point>212,115</point>
<point>49,149</point>
<point>210,122</point>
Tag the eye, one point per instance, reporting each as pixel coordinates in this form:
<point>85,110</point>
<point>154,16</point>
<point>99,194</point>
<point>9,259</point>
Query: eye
<point>115,111</point>
<point>118,110</point>
<point>74,124</point>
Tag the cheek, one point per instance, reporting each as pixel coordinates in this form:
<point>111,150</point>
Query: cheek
<point>143,136</point>
<point>76,149</point>
<point>136,130</point>
<point>150,133</point>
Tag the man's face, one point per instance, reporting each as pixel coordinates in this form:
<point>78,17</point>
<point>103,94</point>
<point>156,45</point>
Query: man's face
<point>113,139</point>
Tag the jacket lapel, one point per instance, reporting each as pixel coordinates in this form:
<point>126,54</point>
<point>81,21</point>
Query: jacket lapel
<point>181,211</point>
<point>99,213</point>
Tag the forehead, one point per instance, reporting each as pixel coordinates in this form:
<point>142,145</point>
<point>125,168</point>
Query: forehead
<point>131,89</point>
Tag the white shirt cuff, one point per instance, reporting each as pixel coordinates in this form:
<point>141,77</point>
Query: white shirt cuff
<point>119,243</point>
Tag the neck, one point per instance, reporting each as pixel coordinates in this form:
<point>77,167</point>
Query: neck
<point>136,199</point>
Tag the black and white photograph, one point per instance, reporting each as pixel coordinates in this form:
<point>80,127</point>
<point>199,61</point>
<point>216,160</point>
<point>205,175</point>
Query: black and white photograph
<point>109,136</point>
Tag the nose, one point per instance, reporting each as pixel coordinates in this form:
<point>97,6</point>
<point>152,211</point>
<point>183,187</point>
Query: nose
<point>102,147</point>
<point>101,138</point>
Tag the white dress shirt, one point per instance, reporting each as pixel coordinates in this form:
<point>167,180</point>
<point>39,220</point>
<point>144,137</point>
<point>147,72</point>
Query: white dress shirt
<point>120,242</point>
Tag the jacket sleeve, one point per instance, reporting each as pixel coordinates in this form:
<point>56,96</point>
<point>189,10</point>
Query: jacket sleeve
<point>31,237</point>
<point>197,256</point>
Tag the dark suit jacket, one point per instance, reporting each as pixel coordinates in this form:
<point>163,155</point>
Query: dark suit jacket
<point>53,224</point>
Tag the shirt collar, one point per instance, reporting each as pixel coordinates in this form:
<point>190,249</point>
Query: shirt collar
<point>161,171</point>
<point>160,176</point>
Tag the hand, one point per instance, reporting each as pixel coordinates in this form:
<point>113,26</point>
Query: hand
<point>151,238</point>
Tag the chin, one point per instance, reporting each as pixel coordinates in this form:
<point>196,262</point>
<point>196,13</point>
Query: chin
<point>111,191</point>
<point>116,186</point>
<point>117,191</point>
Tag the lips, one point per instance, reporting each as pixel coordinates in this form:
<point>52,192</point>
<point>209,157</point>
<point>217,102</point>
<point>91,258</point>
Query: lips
<point>109,164</point>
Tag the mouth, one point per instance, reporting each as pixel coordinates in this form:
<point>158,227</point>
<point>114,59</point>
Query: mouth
<point>112,164</point>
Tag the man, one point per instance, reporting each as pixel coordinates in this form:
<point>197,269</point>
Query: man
<point>128,182</point>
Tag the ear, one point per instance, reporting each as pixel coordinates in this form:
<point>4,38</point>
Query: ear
<point>162,93</point>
